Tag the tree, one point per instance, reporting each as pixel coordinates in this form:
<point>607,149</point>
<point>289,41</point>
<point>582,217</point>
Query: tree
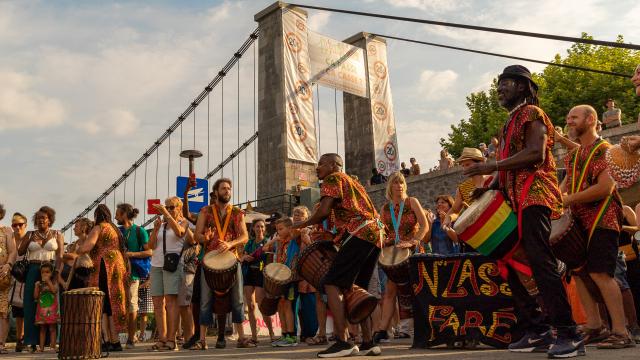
<point>559,90</point>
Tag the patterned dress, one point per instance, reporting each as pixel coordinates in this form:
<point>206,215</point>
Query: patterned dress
<point>107,251</point>
<point>5,235</point>
<point>586,213</point>
<point>47,309</point>
<point>408,227</point>
<point>544,190</point>
<point>354,212</point>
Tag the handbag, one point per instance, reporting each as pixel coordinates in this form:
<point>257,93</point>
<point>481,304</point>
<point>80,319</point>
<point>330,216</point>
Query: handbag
<point>20,268</point>
<point>140,266</point>
<point>172,260</point>
<point>17,295</point>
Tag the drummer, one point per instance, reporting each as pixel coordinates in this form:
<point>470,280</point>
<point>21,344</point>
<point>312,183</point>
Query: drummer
<point>527,173</point>
<point>362,232</point>
<point>406,225</point>
<point>287,248</point>
<point>222,228</point>
<point>590,192</point>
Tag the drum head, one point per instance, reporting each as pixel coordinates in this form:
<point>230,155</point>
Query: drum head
<point>278,272</point>
<point>469,216</point>
<point>560,226</point>
<point>393,255</point>
<point>219,260</point>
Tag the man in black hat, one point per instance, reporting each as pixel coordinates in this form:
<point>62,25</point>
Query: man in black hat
<point>527,174</point>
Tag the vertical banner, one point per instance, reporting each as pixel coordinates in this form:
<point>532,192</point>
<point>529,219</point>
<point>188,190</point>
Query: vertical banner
<point>461,297</point>
<point>384,126</point>
<point>301,137</point>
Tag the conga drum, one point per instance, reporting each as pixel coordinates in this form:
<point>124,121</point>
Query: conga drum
<point>268,306</point>
<point>395,263</point>
<point>276,278</point>
<point>568,242</point>
<point>220,270</point>
<point>80,328</point>
<point>489,225</point>
<point>314,263</point>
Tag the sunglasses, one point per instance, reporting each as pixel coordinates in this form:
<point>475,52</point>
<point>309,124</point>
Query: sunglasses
<point>17,225</point>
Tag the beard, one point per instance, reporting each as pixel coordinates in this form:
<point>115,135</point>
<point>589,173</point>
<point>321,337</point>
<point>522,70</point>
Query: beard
<point>224,199</point>
<point>119,222</point>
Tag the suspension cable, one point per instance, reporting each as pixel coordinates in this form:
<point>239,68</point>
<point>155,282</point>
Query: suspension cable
<point>573,67</point>
<point>335,107</point>
<point>144,204</point>
<point>478,28</point>
<point>255,120</point>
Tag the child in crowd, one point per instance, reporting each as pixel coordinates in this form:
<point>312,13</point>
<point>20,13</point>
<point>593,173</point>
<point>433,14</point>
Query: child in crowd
<point>47,314</point>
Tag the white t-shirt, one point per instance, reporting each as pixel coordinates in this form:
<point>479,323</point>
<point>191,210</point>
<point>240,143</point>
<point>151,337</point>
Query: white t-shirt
<point>174,244</point>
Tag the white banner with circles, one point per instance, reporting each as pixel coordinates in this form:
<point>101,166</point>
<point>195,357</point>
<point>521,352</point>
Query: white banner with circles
<point>301,138</point>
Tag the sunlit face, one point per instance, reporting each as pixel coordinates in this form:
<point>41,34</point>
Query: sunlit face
<point>442,205</point>
<point>78,229</point>
<point>466,163</point>
<point>45,273</point>
<point>119,217</point>
<point>283,230</point>
<point>324,167</point>
<point>299,215</point>
<point>260,229</point>
<point>579,122</point>
<point>19,226</point>
<point>174,208</point>
<point>42,221</point>
<point>398,187</point>
<point>636,80</point>
<point>224,192</point>
<point>507,92</point>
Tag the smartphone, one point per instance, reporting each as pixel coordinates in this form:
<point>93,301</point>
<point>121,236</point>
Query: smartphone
<point>150,209</point>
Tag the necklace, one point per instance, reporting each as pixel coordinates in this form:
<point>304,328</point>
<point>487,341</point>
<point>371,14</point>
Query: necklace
<point>45,236</point>
<point>517,108</point>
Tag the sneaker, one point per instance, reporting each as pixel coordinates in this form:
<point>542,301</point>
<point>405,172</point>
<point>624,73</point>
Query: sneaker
<point>566,347</point>
<point>288,341</point>
<point>281,342</point>
<point>380,337</point>
<point>532,342</point>
<point>116,346</point>
<point>339,349</point>
<point>130,345</point>
<point>221,343</point>
<point>368,349</point>
<point>19,346</point>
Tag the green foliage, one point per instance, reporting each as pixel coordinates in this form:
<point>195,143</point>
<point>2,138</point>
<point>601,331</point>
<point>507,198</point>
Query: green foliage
<point>560,90</point>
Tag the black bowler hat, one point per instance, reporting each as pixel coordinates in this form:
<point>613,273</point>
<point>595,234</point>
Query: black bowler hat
<point>518,71</point>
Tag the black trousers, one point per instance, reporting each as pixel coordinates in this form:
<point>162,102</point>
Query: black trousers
<point>536,228</point>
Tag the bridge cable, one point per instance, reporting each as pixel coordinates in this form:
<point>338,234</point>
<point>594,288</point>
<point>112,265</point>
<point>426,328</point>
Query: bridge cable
<point>222,123</point>
<point>208,129</point>
<point>319,124</point>
<point>255,119</point>
<point>478,28</point>
<point>157,166</point>
<point>135,175</point>
<point>169,164</point>
<point>144,204</point>
<point>335,107</point>
<point>573,67</point>
<point>180,157</point>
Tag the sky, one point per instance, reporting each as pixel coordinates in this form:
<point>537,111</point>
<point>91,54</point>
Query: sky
<point>87,86</point>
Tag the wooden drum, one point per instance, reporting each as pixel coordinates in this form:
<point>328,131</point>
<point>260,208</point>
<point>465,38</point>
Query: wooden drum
<point>276,278</point>
<point>314,263</point>
<point>220,270</point>
<point>395,263</point>
<point>80,330</point>
<point>268,306</point>
<point>568,242</point>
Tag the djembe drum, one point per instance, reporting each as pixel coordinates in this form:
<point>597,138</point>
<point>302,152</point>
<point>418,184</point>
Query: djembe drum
<point>220,269</point>
<point>624,166</point>
<point>276,278</point>
<point>314,263</point>
<point>568,241</point>
<point>395,263</point>
<point>490,226</point>
<point>80,329</point>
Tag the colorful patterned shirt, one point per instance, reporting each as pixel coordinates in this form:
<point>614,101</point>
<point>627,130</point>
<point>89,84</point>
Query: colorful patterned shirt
<point>586,213</point>
<point>408,227</point>
<point>236,222</point>
<point>353,208</point>
<point>544,190</point>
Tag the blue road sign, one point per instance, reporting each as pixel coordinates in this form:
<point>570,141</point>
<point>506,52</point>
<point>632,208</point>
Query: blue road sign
<point>198,197</point>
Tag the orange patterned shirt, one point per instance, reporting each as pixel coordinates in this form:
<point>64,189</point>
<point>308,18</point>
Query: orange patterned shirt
<point>586,213</point>
<point>233,229</point>
<point>353,208</point>
<point>544,190</point>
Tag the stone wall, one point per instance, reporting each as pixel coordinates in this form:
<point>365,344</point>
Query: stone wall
<point>427,186</point>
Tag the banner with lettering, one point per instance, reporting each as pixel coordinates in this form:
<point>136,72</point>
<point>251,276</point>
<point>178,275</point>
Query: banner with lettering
<point>460,297</point>
<point>385,140</point>
<point>301,136</point>
<point>337,64</point>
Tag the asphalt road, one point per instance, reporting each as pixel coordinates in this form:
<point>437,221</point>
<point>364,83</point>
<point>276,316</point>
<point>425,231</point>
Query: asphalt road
<point>395,350</point>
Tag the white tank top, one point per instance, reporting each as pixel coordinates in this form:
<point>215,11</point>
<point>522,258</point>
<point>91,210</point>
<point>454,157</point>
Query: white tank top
<point>43,253</point>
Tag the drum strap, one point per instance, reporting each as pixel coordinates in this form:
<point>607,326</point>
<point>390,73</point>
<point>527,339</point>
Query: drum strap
<point>222,231</point>
<point>396,220</point>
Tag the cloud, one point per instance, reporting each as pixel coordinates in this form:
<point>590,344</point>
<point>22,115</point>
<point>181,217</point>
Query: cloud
<point>318,20</point>
<point>23,107</point>
<point>434,85</point>
<point>118,122</point>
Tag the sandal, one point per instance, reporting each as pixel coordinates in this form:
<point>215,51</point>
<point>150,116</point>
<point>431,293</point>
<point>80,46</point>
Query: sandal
<point>245,343</point>
<point>591,336</point>
<point>158,346</point>
<point>170,348</point>
<point>317,340</point>
<point>3,350</point>
<point>616,341</point>
<point>202,345</point>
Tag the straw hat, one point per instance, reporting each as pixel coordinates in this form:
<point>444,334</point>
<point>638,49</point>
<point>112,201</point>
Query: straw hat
<point>471,154</point>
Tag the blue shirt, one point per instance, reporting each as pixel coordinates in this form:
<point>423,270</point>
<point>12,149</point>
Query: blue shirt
<point>440,242</point>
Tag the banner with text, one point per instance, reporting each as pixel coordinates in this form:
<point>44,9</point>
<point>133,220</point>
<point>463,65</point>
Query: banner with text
<point>301,138</point>
<point>460,297</point>
<point>337,64</point>
<point>384,126</point>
